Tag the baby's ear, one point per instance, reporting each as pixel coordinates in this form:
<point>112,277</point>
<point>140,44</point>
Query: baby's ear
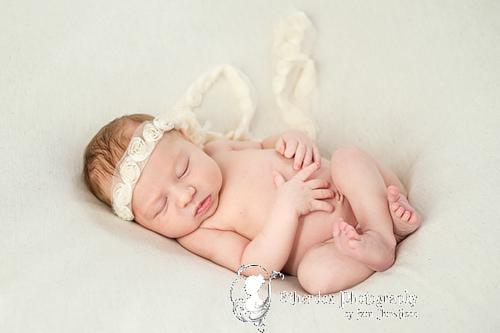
<point>185,134</point>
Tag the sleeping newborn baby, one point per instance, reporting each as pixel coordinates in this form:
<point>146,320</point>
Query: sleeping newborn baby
<point>275,203</point>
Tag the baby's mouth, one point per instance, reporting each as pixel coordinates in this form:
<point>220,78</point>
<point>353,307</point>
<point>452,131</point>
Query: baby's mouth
<point>204,205</point>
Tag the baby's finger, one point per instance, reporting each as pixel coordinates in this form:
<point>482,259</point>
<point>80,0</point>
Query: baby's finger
<point>322,206</point>
<point>280,146</point>
<point>299,157</point>
<point>278,179</point>
<point>305,173</point>
<point>290,149</point>
<point>321,194</point>
<point>318,184</point>
<point>316,155</point>
<point>308,158</point>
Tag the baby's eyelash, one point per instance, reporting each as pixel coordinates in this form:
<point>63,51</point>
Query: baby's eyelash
<point>165,205</point>
<point>184,171</point>
<point>162,207</point>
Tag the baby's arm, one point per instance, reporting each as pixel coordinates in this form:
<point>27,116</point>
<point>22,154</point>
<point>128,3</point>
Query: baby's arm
<point>291,144</point>
<point>294,198</point>
<point>272,246</point>
<point>294,144</point>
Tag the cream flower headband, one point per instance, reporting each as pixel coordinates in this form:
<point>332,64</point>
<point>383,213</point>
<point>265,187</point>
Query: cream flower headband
<point>129,168</point>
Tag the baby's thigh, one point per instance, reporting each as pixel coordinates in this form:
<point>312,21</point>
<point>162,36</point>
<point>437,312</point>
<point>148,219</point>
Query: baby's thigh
<point>323,268</point>
<point>350,166</point>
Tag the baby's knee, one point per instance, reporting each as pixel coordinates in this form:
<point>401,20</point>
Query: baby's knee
<point>348,155</point>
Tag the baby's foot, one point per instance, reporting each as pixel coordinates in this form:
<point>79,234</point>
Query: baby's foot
<point>405,219</point>
<point>370,248</point>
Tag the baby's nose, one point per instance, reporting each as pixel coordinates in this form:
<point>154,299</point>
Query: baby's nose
<point>186,196</point>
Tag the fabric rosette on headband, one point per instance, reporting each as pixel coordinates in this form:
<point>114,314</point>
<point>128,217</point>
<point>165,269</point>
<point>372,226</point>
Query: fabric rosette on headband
<point>129,168</point>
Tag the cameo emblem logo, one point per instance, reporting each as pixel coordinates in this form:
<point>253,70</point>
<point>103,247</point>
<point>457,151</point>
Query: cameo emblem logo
<point>250,297</point>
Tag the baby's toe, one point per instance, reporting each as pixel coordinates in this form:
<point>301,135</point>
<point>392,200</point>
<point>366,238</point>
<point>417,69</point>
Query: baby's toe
<point>406,216</point>
<point>393,193</point>
<point>353,235</point>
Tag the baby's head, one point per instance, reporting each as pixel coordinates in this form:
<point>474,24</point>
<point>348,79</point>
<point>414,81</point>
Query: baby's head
<point>104,152</point>
<point>149,171</point>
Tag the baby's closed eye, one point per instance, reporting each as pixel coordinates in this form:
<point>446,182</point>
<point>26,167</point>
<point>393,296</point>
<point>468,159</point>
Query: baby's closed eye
<point>162,206</point>
<point>184,170</point>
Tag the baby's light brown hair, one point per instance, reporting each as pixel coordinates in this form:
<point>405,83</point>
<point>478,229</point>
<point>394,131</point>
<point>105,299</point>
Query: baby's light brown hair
<point>104,152</point>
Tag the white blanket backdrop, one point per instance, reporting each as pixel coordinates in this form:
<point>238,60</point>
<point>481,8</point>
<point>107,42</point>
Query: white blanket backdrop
<point>417,84</point>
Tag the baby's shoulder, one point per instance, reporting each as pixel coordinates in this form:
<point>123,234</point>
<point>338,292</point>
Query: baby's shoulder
<point>230,145</point>
<point>218,145</point>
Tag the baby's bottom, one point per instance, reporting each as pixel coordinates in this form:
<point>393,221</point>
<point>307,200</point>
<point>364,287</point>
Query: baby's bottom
<point>378,200</point>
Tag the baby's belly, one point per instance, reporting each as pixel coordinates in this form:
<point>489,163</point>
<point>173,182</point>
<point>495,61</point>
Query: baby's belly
<point>255,177</point>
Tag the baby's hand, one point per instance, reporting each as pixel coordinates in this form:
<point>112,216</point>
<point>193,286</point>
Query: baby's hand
<point>296,144</point>
<point>304,195</point>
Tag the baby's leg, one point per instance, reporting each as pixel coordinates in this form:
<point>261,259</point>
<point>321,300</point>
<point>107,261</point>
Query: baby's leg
<point>404,217</point>
<point>323,268</point>
<point>358,177</point>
